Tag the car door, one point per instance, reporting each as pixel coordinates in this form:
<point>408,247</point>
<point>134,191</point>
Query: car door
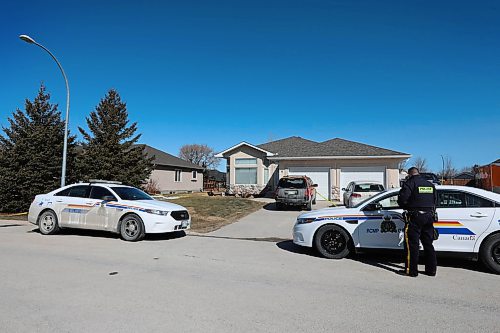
<point>463,217</point>
<point>100,215</point>
<point>384,226</point>
<point>70,205</point>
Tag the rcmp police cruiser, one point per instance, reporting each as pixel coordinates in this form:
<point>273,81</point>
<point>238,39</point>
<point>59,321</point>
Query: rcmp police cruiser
<point>418,197</point>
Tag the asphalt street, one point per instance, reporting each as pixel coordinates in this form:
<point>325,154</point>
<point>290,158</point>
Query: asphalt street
<point>81,281</point>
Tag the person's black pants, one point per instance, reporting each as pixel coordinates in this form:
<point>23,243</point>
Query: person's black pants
<point>419,228</point>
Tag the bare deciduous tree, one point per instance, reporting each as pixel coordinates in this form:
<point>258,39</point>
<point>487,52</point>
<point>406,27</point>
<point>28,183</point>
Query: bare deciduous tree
<point>449,170</point>
<point>201,155</point>
<point>421,164</point>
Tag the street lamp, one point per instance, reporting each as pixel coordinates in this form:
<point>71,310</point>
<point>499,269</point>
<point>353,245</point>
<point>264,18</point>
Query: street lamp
<point>442,173</point>
<point>30,40</point>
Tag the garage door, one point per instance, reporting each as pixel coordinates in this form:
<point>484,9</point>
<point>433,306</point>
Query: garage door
<point>349,174</point>
<point>320,176</point>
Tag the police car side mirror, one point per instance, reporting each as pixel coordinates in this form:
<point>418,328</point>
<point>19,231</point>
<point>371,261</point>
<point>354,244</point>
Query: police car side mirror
<point>373,207</point>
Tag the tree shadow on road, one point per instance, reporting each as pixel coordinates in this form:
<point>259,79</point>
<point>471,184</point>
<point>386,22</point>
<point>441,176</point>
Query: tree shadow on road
<point>391,261</point>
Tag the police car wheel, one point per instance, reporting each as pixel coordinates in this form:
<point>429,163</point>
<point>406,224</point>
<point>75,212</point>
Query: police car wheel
<point>132,228</point>
<point>490,253</point>
<point>332,242</point>
<point>47,223</point>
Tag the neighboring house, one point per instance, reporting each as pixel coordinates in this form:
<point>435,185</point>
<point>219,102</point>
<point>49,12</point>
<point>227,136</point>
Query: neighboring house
<point>214,180</point>
<point>488,176</point>
<point>462,179</point>
<point>173,174</point>
<point>331,164</point>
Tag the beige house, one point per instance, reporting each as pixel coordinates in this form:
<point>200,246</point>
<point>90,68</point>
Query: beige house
<point>173,174</point>
<point>331,164</point>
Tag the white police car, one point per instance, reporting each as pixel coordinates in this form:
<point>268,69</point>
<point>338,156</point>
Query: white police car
<point>109,206</point>
<point>469,225</point>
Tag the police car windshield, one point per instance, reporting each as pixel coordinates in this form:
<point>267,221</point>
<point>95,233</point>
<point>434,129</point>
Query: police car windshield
<point>131,193</point>
<point>378,195</point>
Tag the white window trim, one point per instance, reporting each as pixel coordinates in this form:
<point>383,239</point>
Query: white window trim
<point>245,158</point>
<point>180,176</point>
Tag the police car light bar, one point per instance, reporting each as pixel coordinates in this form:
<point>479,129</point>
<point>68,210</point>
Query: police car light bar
<point>102,181</point>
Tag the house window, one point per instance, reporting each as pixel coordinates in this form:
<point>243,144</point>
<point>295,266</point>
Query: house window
<point>194,174</point>
<point>266,176</point>
<point>246,176</point>
<point>246,161</point>
<point>178,174</point>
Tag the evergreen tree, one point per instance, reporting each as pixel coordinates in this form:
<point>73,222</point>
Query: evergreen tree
<point>31,153</point>
<point>109,150</point>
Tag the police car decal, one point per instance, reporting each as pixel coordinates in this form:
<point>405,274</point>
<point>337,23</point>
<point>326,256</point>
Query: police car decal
<point>452,228</point>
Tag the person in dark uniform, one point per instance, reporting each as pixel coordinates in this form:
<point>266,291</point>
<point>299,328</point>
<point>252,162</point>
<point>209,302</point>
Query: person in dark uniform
<point>418,197</point>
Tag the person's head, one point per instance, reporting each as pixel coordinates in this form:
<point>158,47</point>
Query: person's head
<point>413,171</point>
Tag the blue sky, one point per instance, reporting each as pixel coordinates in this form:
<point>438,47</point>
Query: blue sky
<point>421,77</point>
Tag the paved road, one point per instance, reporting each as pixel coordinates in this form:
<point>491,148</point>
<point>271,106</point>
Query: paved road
<point>62,283</point>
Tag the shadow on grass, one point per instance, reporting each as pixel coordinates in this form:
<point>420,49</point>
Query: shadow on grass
<point>112,235</point>
<point>390,260</point>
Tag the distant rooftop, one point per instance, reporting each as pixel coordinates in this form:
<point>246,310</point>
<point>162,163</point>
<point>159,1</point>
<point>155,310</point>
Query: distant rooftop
<point>296,146</point>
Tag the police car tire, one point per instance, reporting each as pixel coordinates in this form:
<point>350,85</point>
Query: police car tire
<point>337,231</point>
<point>491,244</point>
<point>126,231</point>
<point>44,229</point>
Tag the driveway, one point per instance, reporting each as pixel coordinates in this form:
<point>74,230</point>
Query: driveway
<point>266,223</point>
<point>83,281</point>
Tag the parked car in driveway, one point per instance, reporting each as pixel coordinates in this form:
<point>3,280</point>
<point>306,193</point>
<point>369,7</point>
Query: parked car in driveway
<point>295,191</point>
<point>468,225</point>
<point>109,206</point>
<point>358,191</point>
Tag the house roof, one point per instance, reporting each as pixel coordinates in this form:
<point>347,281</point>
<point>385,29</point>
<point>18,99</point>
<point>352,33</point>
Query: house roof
<point>243,143</point>
<point>216,175</point>
<point>497,161</point>
<point>464,175</point>
<point>297,147</point>
<point>165,159</point>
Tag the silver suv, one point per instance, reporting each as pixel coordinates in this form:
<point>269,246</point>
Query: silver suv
<point>295,191</point>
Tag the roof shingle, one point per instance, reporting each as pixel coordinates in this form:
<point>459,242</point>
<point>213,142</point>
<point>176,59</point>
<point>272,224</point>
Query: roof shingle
<point>165,159</point>
<point>299,147</point>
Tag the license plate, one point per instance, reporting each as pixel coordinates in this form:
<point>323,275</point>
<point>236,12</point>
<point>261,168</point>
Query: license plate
<point>291,192</point>
<point>184,224</point>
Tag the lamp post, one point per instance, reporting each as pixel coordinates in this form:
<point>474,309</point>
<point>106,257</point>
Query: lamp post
<point>442,173</point>
<point>30,40</point>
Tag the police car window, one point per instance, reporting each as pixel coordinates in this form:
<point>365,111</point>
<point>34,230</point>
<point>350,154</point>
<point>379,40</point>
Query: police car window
<point>475,201</point>
<point>390,202</point>
<point>451,199</point>
<point>63,193</point>
<point>98,192</point>
<point>80,191</point>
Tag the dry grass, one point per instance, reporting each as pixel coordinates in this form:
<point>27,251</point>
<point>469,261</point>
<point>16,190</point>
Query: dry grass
<point>211,213</point>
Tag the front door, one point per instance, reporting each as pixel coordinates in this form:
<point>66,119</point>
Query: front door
<point>99,216</point>
<point>383,228</point>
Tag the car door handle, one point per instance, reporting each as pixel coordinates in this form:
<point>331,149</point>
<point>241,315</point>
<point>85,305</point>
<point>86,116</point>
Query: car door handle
<point>478,215</point>
<point>59,201</point>
<point>352,221</point>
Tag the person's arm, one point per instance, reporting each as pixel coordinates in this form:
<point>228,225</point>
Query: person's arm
<point>404,194</point>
